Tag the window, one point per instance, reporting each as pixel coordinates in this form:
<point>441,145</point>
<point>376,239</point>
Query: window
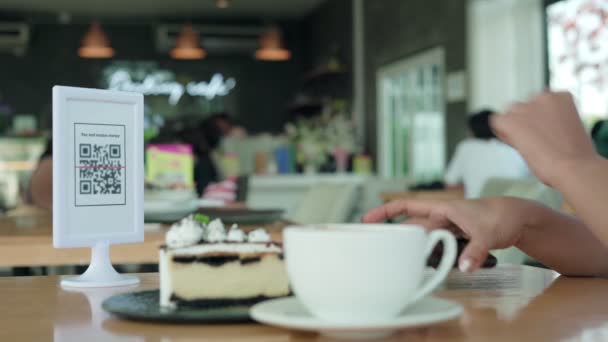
<point>411,117</point>
<point>578,53</point>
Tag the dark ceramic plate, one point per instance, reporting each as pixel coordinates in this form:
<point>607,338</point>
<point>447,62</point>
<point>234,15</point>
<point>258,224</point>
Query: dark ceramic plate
<point>243,216</point>
<point>144,306</point>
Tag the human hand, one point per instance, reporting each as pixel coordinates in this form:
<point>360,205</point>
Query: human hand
<point>548,133</point>
<point>491,223</point>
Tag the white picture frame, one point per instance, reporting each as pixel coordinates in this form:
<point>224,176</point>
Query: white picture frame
<point>88,211</point>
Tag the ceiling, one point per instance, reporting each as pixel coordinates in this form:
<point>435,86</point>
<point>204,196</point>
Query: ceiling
<point>165,8</point>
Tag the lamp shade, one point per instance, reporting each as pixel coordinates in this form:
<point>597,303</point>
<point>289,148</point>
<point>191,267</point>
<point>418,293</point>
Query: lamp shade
<point>271,46</point>
<point>222,4</point>
<point>187,45</point>
<point>95,43</point>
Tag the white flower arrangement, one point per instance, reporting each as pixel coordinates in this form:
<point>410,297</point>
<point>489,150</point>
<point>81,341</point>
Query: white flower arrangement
<point>317,138</point>
<point>309,141</point>
<point>340,134</point>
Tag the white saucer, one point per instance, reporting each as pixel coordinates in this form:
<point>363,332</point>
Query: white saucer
<point>289,313</point>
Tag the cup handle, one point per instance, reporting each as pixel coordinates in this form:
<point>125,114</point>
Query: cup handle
<point>445,266</point>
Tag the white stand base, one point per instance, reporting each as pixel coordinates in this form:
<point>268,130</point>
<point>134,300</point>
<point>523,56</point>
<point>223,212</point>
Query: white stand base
<point>100,272</point>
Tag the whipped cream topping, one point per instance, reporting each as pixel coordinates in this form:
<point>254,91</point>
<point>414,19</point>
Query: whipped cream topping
<point>189,232</point>
<point>258,235</point>
<point>215,231</point>
<point>186,232</point>
<point>235,234</point>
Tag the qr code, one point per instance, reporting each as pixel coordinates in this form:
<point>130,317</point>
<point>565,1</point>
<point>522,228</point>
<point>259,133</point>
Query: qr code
<point>100,169</point>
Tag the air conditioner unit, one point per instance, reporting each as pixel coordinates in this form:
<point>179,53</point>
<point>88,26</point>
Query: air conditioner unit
<point>14,37</point>
<point>215,39</point>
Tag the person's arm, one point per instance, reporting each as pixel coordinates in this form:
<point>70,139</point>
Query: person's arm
<point>584,185</point>
<point>556,240</point>
<point>41,184</point>
<point>563,243</point>
<point>549,134</point>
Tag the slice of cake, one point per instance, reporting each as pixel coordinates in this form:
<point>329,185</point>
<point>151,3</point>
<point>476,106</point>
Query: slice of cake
<point>203,265</point>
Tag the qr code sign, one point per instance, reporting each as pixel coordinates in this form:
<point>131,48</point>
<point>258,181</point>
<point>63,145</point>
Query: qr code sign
<point>100,165</point>
<point>100,169</point>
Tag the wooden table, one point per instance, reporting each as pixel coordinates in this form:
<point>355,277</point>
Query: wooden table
<point>28,241</point>
<point>515,303</point>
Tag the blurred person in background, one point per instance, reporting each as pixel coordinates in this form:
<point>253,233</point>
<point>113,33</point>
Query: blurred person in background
<point>205,137</point>
<point>227,125</point>
<point>599,135</point>
<point>40,188</point>
<point>481,157</point>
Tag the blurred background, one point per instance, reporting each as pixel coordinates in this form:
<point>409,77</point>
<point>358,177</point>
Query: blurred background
<point>320,108</point>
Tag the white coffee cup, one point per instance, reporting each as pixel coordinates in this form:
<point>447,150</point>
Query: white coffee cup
<point>360,273</point>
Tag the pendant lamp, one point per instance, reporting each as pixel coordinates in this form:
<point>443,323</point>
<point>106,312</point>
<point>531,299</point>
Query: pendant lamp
<point>187,45</point>
<point>95,43</point>
<point>271,46</point>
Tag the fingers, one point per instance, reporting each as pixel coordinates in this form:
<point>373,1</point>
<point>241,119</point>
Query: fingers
<point>500,123</point>
<point>400,208</point>
<point>562,95</point>
<point>433,225</point>
<point>516,107</point>
<point>426,223</point>
<point>497,124</point>
<point>438,220</point>
<point>473,256</point>
<point>375,215</point>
